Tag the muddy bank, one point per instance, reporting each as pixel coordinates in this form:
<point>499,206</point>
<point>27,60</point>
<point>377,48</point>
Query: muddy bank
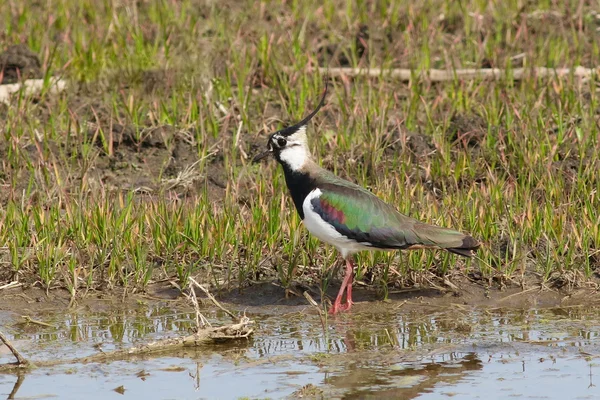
<point>272,295</point>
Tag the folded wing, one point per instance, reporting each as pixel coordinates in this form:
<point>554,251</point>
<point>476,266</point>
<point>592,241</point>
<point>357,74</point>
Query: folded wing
<point>361,216</point>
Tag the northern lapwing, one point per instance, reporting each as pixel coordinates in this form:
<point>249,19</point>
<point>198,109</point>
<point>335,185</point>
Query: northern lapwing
<point>347,216</point>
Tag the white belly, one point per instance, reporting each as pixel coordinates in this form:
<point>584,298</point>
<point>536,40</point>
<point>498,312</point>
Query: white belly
<point>325,232</point>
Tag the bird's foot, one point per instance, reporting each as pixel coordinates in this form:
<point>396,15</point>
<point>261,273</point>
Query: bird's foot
<point>338,306</point>
<point>346,306</point>
<point>335,308</point>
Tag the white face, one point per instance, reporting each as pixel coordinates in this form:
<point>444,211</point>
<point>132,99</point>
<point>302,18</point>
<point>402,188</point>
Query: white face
<point>291,150</point>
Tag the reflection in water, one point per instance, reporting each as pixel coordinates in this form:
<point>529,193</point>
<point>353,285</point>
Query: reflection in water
<point>362,355</point>
<point>17,385</point>
<point>403,383</point>
<point>119,326</point>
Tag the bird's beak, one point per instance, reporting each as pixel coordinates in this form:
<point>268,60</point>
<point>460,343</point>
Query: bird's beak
<point>262,155</point>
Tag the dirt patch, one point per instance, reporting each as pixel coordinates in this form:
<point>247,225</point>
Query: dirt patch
<point>468,130</point>
<point>18,63</point>
<point>400,139</point>
<point>157,80</point>
<point>340,54</point>
<point>145,160</point>
<point>150,158</point>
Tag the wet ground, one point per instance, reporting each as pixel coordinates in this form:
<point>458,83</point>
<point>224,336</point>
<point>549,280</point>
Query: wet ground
<point>459,352</point>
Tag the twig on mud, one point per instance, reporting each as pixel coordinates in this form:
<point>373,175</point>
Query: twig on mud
<point>212,298</point>
<point>204,336</point>
<point>442,75</point>
<point>31,86</point>
<point>399,306</point>
<point>201,320</point>
<point>518,294</point>
<point>185,178</point>
<point>441,289</point>
<point>311,301</point>
<point>30,320</point>
<point>408,290</point>
<point>21,361</point>
<point>450,284</point>
<point>11,285</point>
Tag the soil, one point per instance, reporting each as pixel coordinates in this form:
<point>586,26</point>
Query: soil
<point>468,129</point>
<point>270,297</point>
<point>152,159</point>
<point>18,63</point>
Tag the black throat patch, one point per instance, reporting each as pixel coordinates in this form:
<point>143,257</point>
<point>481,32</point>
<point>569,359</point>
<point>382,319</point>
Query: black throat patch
<point>300,185</point>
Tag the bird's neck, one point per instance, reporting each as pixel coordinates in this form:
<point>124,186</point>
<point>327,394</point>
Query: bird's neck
<point>300,183</point>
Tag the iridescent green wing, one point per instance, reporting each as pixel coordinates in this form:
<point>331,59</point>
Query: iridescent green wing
<point>359,215</point>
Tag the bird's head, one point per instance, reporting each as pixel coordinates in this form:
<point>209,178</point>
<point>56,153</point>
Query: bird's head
<point>289,145</point>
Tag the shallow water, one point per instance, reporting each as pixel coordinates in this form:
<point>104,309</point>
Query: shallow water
<point>459,353</point>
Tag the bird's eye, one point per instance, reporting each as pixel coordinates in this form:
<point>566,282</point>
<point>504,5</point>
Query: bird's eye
<point>281,142</point>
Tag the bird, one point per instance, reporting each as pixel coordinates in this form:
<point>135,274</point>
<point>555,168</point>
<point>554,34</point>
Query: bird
<point>346,215</point>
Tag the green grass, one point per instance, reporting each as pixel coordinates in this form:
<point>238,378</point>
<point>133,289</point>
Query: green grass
<point>72,214</point>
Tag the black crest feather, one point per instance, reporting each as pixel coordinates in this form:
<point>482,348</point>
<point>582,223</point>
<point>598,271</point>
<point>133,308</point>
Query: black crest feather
<point>290,130</point>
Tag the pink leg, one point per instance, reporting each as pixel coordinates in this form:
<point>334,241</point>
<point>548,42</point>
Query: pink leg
<point>349,301</point>
<point>350,274</point>
<point>346,286</point>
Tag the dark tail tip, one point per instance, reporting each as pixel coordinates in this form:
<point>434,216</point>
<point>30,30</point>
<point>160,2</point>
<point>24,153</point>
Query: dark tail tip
<point>467,249</point>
